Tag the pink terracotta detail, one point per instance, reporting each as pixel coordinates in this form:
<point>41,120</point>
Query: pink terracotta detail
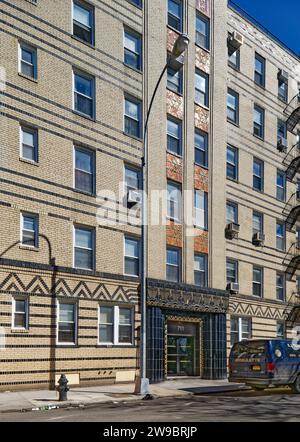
<point>174,168</point>
<point>201,178</point>
<point>203,6</point>
<point>203,60</point>
<point>201,118</point>
<point>201,242</point>
<point>174,105</point>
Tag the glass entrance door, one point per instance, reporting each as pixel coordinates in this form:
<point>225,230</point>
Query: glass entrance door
<point>181,355</point>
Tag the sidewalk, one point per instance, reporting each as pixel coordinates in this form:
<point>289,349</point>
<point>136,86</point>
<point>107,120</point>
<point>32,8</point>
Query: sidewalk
<point>89,396</point>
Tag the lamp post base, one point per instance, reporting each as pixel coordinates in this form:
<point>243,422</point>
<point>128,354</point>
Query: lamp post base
<point>142,386</point>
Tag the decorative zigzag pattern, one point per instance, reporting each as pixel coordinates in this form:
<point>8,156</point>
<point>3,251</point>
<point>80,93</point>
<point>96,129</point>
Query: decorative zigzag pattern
<point>38,286</point>
<point>256,310</point>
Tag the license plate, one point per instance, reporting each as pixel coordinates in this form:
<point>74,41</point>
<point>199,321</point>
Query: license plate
<point>256,368</point>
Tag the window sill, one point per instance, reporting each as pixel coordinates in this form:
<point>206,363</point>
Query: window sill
<point>202,106</point>
<point>180,94</point>
<point>233,180</point>
<point>132,276</point>
<point>233,122</point>
<point>27,77</point>
<point>66,345</point>
<point>133,137</point>
<point>138,71</point>
<point>82,192</point>
<point>29,248</point>
<point>201,165</point>
<point>90,45</point>
<point>19,330</point>
<point>179,32</point>
<point>257,190</point>
<point>283,100</point>
<point>175,154</point>
<point>202,47</point>
<point>32,163</point>
<point>261,86</point>
<point>259,138</point>
<point>115,346</point>
<point>235,68</point>
<point>87,117</point>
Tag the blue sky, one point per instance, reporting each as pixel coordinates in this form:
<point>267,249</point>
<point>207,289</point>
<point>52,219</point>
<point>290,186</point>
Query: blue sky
<point>281,17</point>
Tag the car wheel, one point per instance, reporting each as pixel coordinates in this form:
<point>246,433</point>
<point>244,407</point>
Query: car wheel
<point>296,386</point>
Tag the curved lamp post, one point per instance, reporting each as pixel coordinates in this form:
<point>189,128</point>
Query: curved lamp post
<point>179,48</point>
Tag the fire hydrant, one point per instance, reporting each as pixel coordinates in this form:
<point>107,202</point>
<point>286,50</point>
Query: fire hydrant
<point>63,388</point>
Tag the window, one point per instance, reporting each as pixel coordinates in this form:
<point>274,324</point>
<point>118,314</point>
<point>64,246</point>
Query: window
<point>231,271</point>
<point>200,270</point>
<point>132,179</point>
<point>280,236</point>
<point>232,163</point>
<point>84,94</point>
<point>260,70</point>
<point>280,286</point>
<point>173,265</point>
<point>174,136</point>
<point>67,323</point>
<point>298,189</point>
<point>84,170</point>
<point>29,233</point>
<point>28,61</point>
<point>231,213</point>
<point>202,88</point>
<point>280,186</point>
<point>83,21</point>
<point>257,284</point>
<point>298,236</point>
<point>174,82</point>
<point>281,129</point>
<point>84,248</point>
<point>136,2</point>
<point>29,144</point>
<point>259,122</point>
<point>298,284</point>
<point>201,148</point>
<point>174,201</point>
<point>202,31</point>
<point>20,313</point>
<point>133,112</point>
<point>257,223</point>
<point>132,257</point>
<point>258,175</point>
<point>115,325</point>
<point>201,209</point>
<point>283,90</point>
<point>234,55</point>
<point>240,329</point>
<point>233,106</point>
<point>175,14</point>
<point>132,49</point>
<point>280,330</point>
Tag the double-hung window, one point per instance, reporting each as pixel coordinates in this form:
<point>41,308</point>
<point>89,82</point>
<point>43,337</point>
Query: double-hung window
<point>201,209</point>
<point>201,148</point>
<point>174,136</point>
<point>173,264</point>
<point>175,14</point>
<point>200,270</point>
<point>20,313</point>
<point>231,271</point>
<point>281,129</point>
<point>174,201</point>
<point>84,93</point>
<point>84,244</point>
<point>29,230</point>
<point>174,82</point>
<point>132,257</point>
<point>132,117</point>
<point>257,223</point>
<point>240,329</point>
<point>201,88</point>
<point>67,323</point>
<point>28,61</point>
<point>280,286</point>
<point>231,213</point>
<point>132,179</point>
<point>84,170</point>
<point>280,236</point>
<point>132,49</point>
<point>283,90</point>
<point>233,106</point>
<point>202,31</point>
<point>83,21</point>
<point>259,122</point>
<point>234,56</point>
<point>115,325</point>
<point>257,283</point>
<point>258,175</point>
<point>232,163</point>
<point>260,70</point>
<point>280,186</point>
<point>29,144</point>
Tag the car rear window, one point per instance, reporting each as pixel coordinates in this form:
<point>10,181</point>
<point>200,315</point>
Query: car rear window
<point>249,351</point>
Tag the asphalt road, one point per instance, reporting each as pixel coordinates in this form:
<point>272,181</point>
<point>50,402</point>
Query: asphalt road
<point>275,406</point>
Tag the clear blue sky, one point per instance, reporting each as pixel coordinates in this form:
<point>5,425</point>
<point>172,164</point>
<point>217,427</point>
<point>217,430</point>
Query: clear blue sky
<point>281,17</point>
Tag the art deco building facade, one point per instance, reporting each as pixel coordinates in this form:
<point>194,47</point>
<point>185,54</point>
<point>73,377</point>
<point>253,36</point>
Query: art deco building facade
<point>77,80</point>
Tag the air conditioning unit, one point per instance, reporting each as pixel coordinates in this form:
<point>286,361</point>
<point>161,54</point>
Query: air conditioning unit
<point>283,76</point>
<point>282,144</point>
<point>259,239</point>
<point>134,197</point>
<point>236,40</point>
<point>233,230</point>
<point>233,287</point>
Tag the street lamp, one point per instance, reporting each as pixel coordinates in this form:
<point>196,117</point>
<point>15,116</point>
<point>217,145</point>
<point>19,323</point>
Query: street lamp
<point>179,48</point>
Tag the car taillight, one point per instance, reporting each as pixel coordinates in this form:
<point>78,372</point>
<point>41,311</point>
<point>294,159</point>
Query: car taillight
<point>270,367</point>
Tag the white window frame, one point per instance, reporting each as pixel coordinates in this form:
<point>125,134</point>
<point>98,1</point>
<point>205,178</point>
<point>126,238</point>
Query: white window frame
<point>140,115</point>
<point>20,298</point>
<point>240,328</point>
<point>36,232</point>
<point>201,211</point>
<point>93,97</point>
<point>92,153</point>
<point>124,255</point>
<point>75,303</point>
<point>93,231</point>
<point>90,6</point>
<point>116,323</point>
<point>32,49</point>
<point>139,54</point>
<point>34,131</point>
<point>177,202</point>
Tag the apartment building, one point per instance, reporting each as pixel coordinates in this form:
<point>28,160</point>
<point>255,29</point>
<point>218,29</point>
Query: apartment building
<point>77,81</point>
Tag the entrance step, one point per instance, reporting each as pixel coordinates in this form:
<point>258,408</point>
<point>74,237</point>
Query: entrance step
<point>216,389</point>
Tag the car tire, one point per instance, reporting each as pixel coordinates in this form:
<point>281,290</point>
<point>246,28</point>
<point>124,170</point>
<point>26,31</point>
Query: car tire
<point>296,386</point>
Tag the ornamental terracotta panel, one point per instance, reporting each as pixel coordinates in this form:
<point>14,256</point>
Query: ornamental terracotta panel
<point>171,38</point>
<point>174,234</point>
<point>174,168</point>
<point>203,6</point>
<point>201,118</point>
<point>202,60</point>
<point>201,241</point>
<point>201,178</point>
<point>174,105</point>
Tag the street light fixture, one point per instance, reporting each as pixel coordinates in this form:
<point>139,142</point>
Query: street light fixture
<point>180,46</point>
